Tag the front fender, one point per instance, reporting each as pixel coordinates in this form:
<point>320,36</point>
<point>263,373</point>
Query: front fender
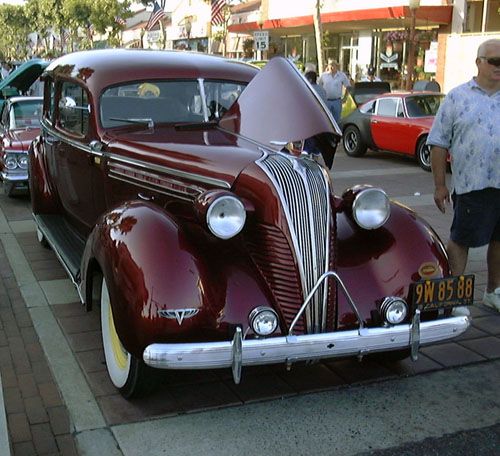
<point>154,263</point>
<point>386,261</point>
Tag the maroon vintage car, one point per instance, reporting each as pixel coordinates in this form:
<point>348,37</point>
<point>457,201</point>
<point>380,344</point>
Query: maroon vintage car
<point>179,196</point>
<point>19,126</point>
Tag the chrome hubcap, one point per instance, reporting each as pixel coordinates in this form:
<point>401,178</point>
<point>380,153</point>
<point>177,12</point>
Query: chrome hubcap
<point>351,141</point>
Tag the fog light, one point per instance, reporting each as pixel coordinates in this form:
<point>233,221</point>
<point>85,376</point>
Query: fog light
<point>394,310</point>
<point>263,320</point>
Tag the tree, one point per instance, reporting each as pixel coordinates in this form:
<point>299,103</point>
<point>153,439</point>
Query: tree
<point>14,36</point>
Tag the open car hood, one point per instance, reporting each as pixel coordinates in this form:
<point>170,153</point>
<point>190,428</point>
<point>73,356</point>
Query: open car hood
<point>364,91</point>
<point>25,75</point>
<point>279,106</point>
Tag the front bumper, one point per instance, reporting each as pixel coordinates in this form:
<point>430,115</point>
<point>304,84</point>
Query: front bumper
<point>15,178</point>
<point>289,349</point>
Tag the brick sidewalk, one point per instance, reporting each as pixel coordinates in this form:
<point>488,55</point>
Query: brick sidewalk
<point>37,418</point>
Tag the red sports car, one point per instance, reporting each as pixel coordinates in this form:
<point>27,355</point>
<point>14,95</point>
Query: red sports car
<point>177,192</point>
<point>396,122</point>
<point>19,126</point>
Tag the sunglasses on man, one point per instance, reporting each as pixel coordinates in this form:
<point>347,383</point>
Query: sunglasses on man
<point>495,61</point>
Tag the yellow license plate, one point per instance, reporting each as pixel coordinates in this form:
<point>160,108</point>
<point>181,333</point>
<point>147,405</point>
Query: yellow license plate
<point>455,291</point>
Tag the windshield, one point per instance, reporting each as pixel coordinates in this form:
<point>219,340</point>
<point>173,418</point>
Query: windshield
<point>26,114</point>
<point>175,101</point>
<point>423,105</point>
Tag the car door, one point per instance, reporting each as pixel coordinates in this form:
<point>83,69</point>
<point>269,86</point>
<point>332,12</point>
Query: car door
<point>389,125</point>
<point>75,166</point>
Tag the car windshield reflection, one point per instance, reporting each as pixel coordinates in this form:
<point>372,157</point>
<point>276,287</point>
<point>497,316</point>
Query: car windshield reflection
<point>26,114</point>
<point>174,101</point>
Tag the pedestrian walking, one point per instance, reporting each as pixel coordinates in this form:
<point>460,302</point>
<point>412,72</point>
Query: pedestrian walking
<point>334,82</point>
<point>467,126</point>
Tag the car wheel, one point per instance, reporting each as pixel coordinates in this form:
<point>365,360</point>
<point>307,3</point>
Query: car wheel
<point>128,374</point>
<point>424,154</point>
<point>354,144</point>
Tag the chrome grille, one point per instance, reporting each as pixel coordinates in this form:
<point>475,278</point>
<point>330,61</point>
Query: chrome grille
<point>303,188</point>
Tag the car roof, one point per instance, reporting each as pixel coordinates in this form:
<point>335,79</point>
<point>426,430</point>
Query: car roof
<point>101,68</point>
<point>405,94</point>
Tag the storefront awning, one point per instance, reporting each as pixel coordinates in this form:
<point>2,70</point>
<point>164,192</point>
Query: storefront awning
<point>387,17</point>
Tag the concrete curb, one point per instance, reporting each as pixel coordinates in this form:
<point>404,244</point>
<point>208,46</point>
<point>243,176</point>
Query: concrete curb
<point>4,432</point>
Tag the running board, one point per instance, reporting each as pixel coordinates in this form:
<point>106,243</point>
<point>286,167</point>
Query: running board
<point>64,241</point>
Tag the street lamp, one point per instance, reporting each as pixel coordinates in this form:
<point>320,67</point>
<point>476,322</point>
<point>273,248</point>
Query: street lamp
<point>414,5</point>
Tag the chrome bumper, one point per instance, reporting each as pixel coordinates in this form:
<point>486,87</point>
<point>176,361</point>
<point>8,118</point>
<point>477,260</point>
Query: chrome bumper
<point>289,349</point>
<point>13,177</point>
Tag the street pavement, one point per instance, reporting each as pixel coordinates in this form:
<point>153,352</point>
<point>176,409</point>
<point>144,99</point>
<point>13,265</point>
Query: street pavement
<point>57,398</point>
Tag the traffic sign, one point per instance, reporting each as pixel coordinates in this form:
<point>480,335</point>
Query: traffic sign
<point>261,40</point>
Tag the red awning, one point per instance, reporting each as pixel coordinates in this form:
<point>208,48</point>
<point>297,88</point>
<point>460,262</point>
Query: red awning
<point>432,15</point>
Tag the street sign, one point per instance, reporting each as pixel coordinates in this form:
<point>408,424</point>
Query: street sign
<point>261,40</point>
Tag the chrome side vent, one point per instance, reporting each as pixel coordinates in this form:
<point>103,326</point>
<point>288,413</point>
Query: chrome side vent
<point>303,188</point>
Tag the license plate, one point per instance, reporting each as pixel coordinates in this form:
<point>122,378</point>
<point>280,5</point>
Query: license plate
<point>446,292</point>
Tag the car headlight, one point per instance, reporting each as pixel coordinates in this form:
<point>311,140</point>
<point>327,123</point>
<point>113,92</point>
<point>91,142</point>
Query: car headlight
<point>226,216</point>
<point>263,320</point>
<point>11,162</point>
<point>394,310</point>
<point>22,161</point>
<point>371,208</point>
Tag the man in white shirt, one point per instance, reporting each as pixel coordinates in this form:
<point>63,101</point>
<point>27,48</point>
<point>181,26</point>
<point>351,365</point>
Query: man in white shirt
<point>334,82</point>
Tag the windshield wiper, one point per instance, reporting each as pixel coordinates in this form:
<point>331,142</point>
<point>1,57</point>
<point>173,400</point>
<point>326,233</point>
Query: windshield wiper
<point>147,121</point>
<point>196,125</point>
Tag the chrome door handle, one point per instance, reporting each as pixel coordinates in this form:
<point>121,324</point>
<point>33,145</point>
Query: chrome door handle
<point>374,121</point>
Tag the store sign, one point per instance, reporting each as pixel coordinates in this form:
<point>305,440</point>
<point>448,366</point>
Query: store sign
<point>261,40</point>
<point>389,60</point>
<point>153,36</point>
<point>431,55</point>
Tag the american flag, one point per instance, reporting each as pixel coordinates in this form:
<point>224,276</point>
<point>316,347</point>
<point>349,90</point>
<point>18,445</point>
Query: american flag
<point>157,15</point>
<point>65,35</point>
<point>120,21</point>
<point>217,17</point>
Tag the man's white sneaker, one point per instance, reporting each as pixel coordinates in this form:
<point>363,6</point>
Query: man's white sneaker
<point>461,311</point>
<point>492,299</point>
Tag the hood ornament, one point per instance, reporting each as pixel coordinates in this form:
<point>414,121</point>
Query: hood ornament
<point>178,314</point>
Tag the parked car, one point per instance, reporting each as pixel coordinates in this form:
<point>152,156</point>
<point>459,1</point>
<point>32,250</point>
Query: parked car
<point>207,237</point>
<point>360,93</point>
<point>396,122</point>
<point>19,126</point>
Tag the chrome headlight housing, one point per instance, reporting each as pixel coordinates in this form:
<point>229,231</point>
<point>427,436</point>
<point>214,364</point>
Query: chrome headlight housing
<point>22,161</point>
<point>263,320</point>
<point>371,208</point>
<point>394,310</point>
<point>226,216</point>
<point>11,162</point>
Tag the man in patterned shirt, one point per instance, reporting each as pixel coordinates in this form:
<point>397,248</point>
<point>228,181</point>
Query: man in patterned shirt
<point>467,126</point>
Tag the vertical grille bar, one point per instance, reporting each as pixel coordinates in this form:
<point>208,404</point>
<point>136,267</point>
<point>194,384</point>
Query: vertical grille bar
<point>303,189</point>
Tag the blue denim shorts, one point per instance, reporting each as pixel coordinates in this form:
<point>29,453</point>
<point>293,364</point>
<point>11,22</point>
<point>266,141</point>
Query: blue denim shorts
<point>476,218</point>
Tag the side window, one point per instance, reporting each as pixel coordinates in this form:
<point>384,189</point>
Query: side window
<point>49,96</point>
<point>400,112</point>
<point>74,109</point>
<point>368,108</point>
<point>387,107</point>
